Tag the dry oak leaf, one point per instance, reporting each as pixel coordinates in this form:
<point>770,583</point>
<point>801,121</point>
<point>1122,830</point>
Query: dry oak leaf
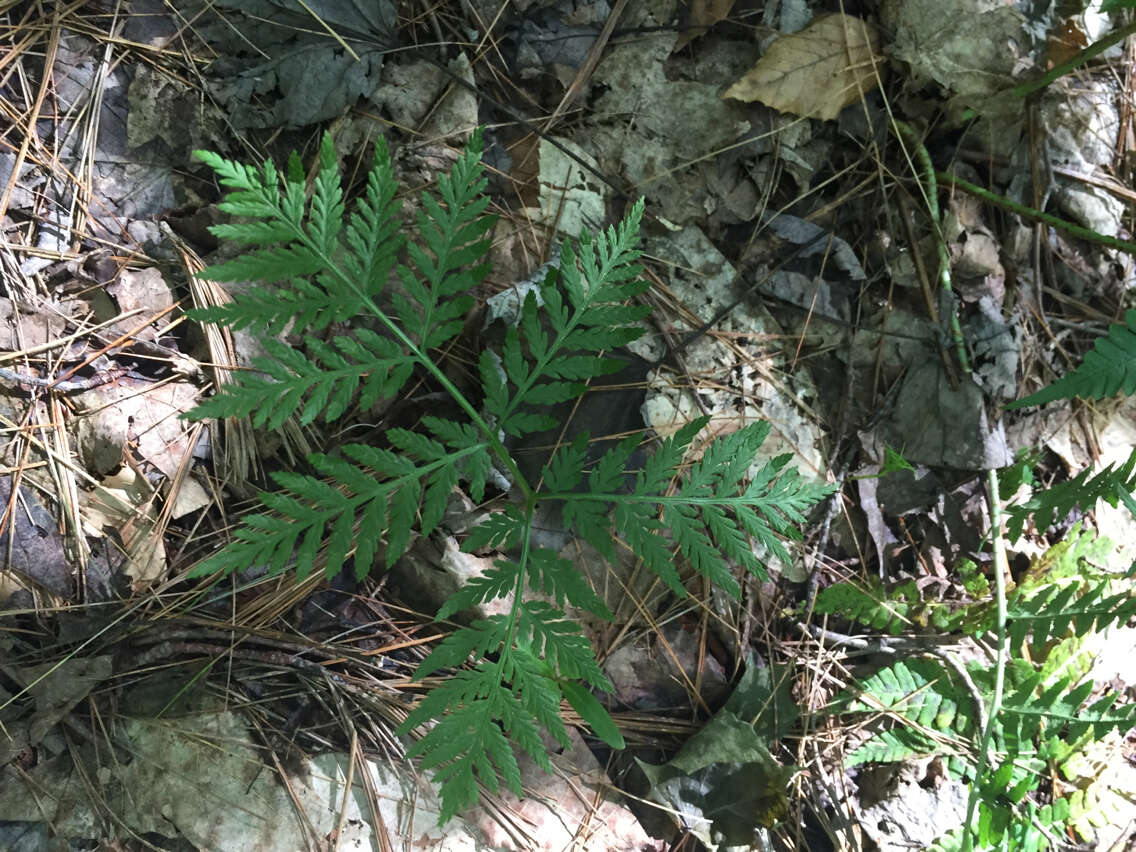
<point>817,72</point>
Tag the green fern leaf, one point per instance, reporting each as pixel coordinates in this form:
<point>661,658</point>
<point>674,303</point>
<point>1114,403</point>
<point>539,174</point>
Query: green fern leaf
<point>1081,606</point>
<point>300,303</point>
<point>870,604</point>
<point>565,470</point>
<point>539,694</point>
<point>481,637</point>
<point>373,230</point>
<point>1113,485</point>
<point>327,202</point>
<point>714,510</point>
<point>503,530</point>
<point>562,581</point>
<point>892,746</point>
<point>594,713</point>
<point>311,268</point>
<point>1109,367</point>
<point>278,263</point>
<point>494,583</point>
<point>559,640</point>
<point>466,745</point>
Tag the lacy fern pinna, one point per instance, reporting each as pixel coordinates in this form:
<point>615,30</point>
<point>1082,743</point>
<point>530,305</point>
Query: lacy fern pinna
<point>403,300</point>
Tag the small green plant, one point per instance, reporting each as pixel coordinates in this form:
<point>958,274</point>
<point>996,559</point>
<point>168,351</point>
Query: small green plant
<point>402,300</point>
<point>1048,720</point>
<point>1109,368</point>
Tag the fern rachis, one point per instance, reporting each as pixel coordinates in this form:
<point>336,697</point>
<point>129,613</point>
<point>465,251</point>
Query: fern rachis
<point>362,498</point>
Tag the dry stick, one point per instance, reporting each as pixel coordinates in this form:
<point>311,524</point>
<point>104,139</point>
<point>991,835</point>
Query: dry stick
<point>932,189</point>
<point>572,94</point>
<point>61,384</point>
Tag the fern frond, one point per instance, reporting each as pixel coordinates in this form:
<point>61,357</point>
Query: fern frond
<point>1061,709</point>
<point>467,744</point>
<point>320,384</point>
<point>271,309</point>
<point>598,278</point>
<point>890,610</point>
<point>1109,367</point>
<point>711,512</point>
<point>1048,713</point>
<point>311,270</point>
<point>380,489</point>
<point>560,641</point>
<point>928,697</point>
<point>893,745</point>
<point>439,282</point>
<point>1081,607</point>
<point>346,276</point>
<point>1113,485</point>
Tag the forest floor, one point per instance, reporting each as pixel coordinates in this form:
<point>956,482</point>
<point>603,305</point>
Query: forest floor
<point>808,174</point>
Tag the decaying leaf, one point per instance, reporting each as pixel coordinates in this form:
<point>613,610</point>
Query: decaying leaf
<point>703,15</point>
<point>817,72</point>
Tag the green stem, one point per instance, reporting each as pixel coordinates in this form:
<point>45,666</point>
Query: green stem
<point>1000,569</point>
<point>931,195</point>
<point>1094,49</point>
<point>1037,215</point>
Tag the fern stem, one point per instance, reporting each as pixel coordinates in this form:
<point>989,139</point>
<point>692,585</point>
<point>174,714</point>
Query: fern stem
<point>930,187</point>
<point>518,592</point>
<point>1093,50</point>
<point>1082,233</point>
<point>1000,568</point>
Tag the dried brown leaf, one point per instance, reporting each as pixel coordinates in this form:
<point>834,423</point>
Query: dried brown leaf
<point>703,15</point>
<point>817,72</point>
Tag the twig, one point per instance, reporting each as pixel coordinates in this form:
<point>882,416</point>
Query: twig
<point>64,385</point>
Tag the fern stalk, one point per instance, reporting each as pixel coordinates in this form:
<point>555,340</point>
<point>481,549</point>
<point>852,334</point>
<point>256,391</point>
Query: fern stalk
<point>1000,569</point>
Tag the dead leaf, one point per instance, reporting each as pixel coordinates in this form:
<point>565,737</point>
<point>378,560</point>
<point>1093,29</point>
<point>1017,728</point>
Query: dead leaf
<point>134,410</point>
<point>817,72</point>
<point>124,503</point>
<point>1064,41</point>
<point>703,15</point>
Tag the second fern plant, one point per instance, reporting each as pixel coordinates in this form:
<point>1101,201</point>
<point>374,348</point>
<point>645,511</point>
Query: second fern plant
<point>403,300</point>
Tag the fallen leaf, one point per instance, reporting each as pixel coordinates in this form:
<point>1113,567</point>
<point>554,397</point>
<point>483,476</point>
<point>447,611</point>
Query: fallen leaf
<point>124,503</point>
<point>703,15</point>
<point>817,72</point>
<point>1064,40</point>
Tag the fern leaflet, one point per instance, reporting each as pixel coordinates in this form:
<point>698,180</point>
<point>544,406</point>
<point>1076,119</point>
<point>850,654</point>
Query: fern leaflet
<point>1113,485</point>
<point>1109,367</point>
